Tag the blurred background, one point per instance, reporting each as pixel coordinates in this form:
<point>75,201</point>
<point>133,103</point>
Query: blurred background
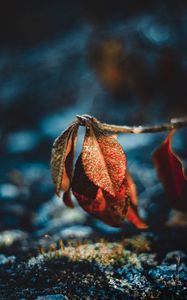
<point>124,62</point>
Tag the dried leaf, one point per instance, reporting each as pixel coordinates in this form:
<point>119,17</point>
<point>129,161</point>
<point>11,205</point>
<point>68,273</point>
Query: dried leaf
<point>90,197</point>
<point>104,160</point>
<point>132,189</point>
<point>134,218</point>
<point>100,183</point>
<point>171,173</point>
<point>62,158</point>
<point>124,204</point>
<point>81,183</point>
<point>67,199</point>
<point>112,210</point>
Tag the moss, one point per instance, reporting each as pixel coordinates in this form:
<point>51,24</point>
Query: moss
<point>138,244</point>
<point>100,270</point>
<point>102,252</point>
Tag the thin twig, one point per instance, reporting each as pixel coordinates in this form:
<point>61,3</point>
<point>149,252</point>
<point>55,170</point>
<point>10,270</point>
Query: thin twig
<point>173,124</point>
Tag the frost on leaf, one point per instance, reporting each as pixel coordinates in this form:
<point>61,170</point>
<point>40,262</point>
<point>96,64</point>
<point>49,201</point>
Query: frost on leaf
<point>171,173</point>
<point>103,160</point>
<point>62,159</point>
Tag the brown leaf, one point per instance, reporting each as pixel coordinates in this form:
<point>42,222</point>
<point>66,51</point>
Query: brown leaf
<point>171,173</point>
<point>104,160</point>
<point>62,158</point>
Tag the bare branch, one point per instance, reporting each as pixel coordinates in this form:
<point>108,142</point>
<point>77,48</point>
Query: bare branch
<point>173,124</point>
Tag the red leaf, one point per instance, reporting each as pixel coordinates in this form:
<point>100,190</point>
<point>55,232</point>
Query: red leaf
<point>100,183</point>
<point>124,204</point>
<point>171,173</point>
<point>132,213</point>
<point>134,218</point>
<point>112,210</point>
<point>67,199</point>
<point>104,160</point>
<point>132,188</point>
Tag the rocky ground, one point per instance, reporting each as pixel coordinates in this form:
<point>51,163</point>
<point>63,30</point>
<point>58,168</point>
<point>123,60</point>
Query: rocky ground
<point>92,261</point>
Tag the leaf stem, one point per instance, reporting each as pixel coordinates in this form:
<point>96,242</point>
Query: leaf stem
<point>173,124</point>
